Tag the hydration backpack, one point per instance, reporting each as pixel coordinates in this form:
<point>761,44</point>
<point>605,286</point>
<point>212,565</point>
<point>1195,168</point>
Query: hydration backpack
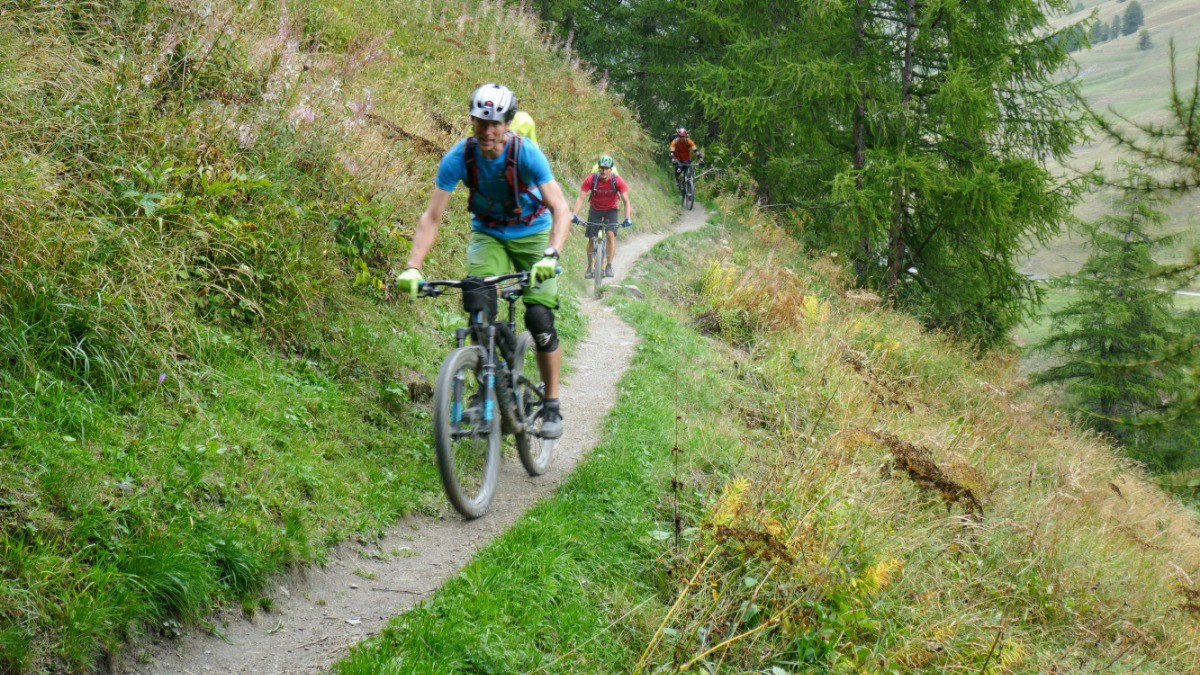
<point>511,174</point>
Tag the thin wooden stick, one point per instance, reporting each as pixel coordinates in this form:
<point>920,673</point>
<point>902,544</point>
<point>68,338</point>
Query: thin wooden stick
<point>678,601</point>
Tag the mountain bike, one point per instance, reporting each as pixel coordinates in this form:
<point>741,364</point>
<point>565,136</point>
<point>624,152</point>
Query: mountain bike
<point>686,181</point>
<point>484,392</point>
<point>599,252</point>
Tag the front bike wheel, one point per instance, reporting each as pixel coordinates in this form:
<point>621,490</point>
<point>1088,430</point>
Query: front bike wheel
<point>689,194</point>
<point>466,432</point>
<point>598,249</point>
<point>533,450</point>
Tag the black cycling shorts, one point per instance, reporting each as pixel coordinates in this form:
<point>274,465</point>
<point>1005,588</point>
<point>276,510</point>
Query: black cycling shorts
<point>608,217</point>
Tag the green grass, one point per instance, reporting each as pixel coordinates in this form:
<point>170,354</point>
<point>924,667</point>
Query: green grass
<point>206,377</point>
<point>856,497</point>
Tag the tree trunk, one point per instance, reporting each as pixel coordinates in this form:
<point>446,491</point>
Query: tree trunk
<point>859,122</point>
<point>900,210</point>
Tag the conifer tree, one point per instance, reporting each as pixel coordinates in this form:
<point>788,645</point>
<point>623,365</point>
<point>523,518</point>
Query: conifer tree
<point>1144,41</point>
<point>1128,357</point>
<point>930,122</point>
<point>1114,29</point>
<point>1132,19</point>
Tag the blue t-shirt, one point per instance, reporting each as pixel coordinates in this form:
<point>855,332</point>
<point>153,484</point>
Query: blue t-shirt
<point>494,190</point>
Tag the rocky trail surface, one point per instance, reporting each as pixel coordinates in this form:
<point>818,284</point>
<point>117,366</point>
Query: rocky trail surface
<point>319,612</point>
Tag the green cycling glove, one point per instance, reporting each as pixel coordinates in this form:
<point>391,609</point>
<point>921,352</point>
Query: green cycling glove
<point>546,268</point>
<point>409,281</point>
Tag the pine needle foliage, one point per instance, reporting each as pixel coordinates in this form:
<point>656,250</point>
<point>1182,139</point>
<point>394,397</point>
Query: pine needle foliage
<point>1128,357</point>
<point>1172,146</point>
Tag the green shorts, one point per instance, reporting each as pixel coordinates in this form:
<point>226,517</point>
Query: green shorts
<point>488,256</point>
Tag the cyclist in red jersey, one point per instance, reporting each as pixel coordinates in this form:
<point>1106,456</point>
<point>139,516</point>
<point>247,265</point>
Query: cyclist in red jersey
<point>603,190</point>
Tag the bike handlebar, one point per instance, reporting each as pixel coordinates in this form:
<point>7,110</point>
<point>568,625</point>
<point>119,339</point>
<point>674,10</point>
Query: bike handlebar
<point>429,289</point>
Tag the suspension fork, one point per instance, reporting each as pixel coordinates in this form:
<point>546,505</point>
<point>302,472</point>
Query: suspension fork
<point>489,373</point>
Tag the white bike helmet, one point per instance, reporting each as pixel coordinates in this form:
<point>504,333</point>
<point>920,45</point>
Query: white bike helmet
<point>493,102</point>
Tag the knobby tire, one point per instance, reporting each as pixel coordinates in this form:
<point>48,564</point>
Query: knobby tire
<point>469,463</point>
<point>598,248</point>
<point>534,451</point>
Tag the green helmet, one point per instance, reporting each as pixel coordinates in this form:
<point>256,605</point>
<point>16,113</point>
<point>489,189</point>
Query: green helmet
<point>605,161</point>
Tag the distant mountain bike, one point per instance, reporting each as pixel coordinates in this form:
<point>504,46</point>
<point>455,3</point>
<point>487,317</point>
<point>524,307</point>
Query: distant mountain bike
<point>483,392</point>
<point>599,252</point>
<point>686,182</point>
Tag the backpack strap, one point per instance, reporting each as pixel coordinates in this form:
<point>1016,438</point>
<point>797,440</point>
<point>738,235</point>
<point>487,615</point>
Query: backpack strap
<point>512,172</point>
<point>472,168</point>
<point>596,184</point>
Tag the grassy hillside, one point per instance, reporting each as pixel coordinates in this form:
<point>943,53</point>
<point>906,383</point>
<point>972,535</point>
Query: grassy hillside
<point>1135,83</point>
<point>797,480</point>
<point>206,376</point>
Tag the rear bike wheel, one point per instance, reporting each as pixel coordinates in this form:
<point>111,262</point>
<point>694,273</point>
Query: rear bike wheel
<point>466,432</point>
<point>689,193</point>
<point>533,450</point>
<point>598,249</point>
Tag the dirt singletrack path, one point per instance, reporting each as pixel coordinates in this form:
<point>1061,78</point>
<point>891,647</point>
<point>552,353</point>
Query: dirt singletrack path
<point>319,612</point>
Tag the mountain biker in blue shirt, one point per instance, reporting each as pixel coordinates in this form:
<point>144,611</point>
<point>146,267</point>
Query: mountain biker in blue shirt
<point>519,220</point>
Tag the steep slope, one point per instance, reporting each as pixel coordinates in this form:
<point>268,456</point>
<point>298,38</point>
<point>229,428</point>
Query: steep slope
<point>207,377</point>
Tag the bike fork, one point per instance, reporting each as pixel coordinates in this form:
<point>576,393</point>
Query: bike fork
<point>456,403</point>
<point>489,375</point>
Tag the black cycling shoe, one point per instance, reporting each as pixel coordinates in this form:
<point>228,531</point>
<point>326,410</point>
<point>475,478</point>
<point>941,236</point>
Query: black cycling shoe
<point>589,274</point>
<point>552,421</point>
<point>608,271</point>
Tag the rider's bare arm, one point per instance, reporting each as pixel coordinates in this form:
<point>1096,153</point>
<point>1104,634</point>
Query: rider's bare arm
<point>628,208</point>
<point>427,227</point>
<point>553,197</point>
<point>579,201</point>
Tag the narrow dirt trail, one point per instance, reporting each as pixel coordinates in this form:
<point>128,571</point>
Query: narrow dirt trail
<point>320,611</point>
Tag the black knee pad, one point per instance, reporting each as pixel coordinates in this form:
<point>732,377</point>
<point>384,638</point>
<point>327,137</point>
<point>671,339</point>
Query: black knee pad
<point>539,319</point>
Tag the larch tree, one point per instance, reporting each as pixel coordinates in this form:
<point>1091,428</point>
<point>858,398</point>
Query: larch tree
<point>1132,19</point>
<point>1127,357</point>
<point>916,134</point>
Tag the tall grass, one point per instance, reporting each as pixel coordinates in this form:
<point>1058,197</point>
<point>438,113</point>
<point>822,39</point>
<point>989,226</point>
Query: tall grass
<point>206,377</point>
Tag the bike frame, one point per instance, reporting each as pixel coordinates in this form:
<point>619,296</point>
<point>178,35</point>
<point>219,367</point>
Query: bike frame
<point>599,244</point>
<point>601,236</point>
<point>481,332</point>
